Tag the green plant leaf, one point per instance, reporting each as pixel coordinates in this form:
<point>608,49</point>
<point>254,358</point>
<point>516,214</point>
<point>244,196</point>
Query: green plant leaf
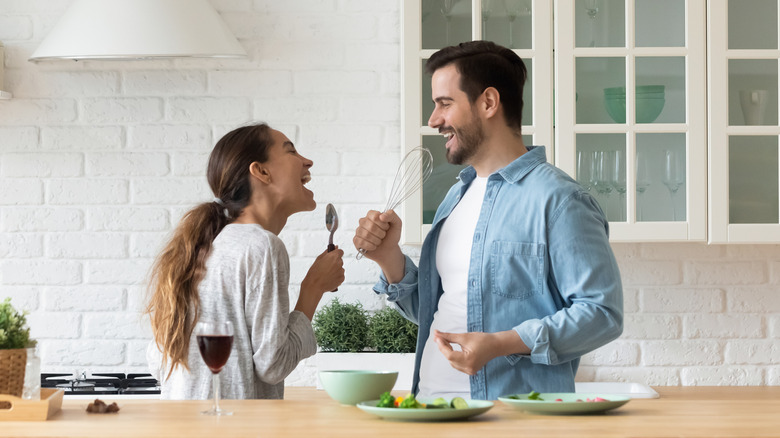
<point>14,332</point>
<point>341,327</point>
<point>390,332</point>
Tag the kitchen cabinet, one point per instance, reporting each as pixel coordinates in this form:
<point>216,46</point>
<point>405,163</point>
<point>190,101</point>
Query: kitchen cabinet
<point>631,112</point>
<point>743,121</point>
<point>629,102</point>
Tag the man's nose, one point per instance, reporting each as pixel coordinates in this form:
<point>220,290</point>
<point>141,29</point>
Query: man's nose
<point>434,121</point>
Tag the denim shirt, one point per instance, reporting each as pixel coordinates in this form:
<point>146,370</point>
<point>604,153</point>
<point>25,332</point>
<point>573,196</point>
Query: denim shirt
<point>541,265</point>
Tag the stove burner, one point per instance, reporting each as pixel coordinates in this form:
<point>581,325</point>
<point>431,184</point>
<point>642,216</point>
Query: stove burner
<point>76,385</point>
<point>102,383</point>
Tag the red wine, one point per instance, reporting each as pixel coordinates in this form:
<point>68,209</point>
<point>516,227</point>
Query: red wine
<point>215,351</point>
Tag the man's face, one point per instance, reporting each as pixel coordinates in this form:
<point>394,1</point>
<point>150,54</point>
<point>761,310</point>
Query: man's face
<point>454,116</point>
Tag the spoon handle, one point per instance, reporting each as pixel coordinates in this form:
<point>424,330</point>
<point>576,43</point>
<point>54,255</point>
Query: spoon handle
<point>331,247</point>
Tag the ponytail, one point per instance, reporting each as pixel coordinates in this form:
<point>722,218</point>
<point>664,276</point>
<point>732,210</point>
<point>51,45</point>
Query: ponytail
<point>174,303</point>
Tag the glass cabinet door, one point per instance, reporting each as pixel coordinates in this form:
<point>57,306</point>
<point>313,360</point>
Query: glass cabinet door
<point>428,25</point>
<point>743,41</point>
<point>631,111</point>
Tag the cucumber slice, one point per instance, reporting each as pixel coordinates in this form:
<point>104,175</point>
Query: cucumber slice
<point>439,403</point>
<point>459,403</point>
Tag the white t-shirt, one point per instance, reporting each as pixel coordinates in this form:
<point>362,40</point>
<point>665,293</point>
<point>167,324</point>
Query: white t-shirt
<point>453,254</point>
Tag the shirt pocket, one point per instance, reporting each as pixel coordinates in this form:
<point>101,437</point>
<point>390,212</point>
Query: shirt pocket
<point>517,269</point>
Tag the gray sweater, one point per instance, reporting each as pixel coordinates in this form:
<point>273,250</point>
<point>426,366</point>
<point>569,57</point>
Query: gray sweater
<point>246,281</point>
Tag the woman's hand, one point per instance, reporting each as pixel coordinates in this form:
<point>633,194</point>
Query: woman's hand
<point>325,274</point>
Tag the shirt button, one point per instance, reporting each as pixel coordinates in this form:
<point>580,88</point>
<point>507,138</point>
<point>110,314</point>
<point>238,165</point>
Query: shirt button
<point>474,283</point>
<point>476,236</point>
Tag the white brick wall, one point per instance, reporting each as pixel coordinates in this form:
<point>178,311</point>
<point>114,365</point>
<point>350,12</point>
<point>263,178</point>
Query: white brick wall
<point>99,160</point>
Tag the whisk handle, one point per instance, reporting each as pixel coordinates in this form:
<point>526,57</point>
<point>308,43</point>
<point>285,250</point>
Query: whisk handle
<point>360,254</point>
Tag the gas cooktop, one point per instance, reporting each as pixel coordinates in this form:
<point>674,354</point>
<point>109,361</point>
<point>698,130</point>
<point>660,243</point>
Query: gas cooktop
<point>102,383</point>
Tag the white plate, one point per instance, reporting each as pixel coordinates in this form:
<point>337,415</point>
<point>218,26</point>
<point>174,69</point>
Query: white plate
<point>626,389</point>
<point>565,403</point>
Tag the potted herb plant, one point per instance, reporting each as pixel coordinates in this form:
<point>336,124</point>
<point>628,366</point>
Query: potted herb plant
<point>14,344</point>
<point>341,327</point>
<point>389,332</point>
<point>350,337</point>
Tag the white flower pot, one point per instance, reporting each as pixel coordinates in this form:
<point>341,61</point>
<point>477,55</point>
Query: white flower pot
<point>370,360</point>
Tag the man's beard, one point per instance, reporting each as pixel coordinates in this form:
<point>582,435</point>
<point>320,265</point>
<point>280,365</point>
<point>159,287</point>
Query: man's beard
<point>470,137</point>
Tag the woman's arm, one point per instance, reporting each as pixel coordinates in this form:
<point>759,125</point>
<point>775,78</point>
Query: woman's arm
<point>280,339</point>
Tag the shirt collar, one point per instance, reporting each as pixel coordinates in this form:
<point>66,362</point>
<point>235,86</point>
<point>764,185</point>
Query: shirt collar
<point>514,171</point>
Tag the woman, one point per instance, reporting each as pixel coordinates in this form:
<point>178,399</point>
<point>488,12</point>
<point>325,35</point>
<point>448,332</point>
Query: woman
<point>225,261</point>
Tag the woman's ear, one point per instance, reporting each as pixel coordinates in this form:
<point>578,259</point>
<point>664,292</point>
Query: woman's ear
<point>259,172</point>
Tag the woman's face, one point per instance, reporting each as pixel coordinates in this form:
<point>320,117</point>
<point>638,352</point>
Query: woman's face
<point>289,173</point>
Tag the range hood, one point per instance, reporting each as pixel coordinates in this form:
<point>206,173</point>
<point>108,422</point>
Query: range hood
<point>139,29</point>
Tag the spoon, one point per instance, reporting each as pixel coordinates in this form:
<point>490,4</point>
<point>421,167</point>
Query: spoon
<point>331,224</point>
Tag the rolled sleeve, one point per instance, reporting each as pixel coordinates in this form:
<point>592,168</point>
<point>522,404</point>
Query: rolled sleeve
<point>396,291</point>
<point>536,336</point>
<point>404,294</point>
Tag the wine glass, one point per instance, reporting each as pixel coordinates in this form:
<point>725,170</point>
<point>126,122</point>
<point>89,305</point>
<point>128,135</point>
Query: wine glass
<point>585,169</point>
<point>604,170</point>
<point>642,181</point>
<point>619,181</point>
<point>674,176</point>
<point>487,9</point>
<point>514,9</point>
<point>446,11</point>
<point>592,8</point>
<point>215,340</point>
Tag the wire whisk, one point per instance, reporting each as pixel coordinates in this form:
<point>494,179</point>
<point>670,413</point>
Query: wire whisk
<point>414,170</point>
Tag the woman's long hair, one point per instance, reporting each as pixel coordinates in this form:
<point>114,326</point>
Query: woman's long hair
<point>174,302</point>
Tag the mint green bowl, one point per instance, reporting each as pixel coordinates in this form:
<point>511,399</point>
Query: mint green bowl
<point>350,387</point>
<point>650,100</point>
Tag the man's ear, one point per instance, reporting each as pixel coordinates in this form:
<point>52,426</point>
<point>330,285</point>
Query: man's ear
<point>260,172</point>
<point>490,101</point>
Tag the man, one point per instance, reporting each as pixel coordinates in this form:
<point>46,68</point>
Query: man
<point>517,279</point>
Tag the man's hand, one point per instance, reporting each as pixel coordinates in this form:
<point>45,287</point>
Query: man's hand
<point>478,348</point>
<point>379,234</point>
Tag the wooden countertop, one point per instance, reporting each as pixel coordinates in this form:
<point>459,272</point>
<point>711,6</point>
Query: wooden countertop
<point>307,412</point>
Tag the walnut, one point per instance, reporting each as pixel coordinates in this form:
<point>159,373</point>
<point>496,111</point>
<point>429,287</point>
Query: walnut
<point>100,407</point>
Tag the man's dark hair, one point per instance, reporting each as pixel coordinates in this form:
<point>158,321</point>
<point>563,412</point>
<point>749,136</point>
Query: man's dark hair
<point>484,64</point>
